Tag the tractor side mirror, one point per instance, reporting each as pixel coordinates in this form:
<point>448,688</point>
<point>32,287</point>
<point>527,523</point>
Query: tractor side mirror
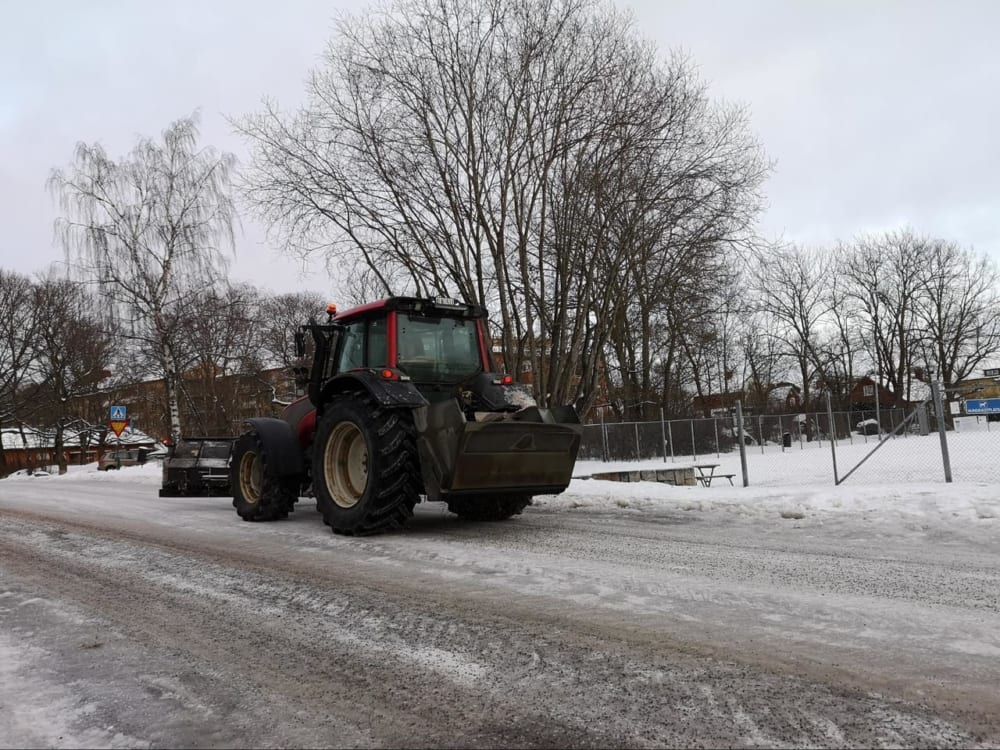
<point>300,343</point>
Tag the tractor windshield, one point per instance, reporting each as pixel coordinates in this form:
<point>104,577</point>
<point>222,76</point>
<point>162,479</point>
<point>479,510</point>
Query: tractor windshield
<point>438,350</point>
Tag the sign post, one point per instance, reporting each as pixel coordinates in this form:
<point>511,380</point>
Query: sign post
<point>119,420</point>
<point>983,406</point>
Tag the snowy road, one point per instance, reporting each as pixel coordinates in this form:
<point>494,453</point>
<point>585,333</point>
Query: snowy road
<point>127,620</point>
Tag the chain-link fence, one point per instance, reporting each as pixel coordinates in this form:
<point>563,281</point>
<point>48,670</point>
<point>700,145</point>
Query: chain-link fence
<point>883,446</point>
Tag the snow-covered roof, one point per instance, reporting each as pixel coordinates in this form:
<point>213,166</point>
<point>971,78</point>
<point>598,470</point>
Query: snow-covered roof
<point>986,368</point>
<point>15,438</point>
<point>920,391</point>
<point>23,437</point>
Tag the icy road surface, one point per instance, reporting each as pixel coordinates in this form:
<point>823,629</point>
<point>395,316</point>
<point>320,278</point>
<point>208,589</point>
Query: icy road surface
<point>678,617</point>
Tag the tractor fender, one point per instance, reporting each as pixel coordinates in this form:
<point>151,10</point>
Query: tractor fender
<point>389,393</point>
<point>280,444</point>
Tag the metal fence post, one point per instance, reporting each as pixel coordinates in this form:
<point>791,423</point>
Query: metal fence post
<point>942,429</point>
<point>833,441</point>
<point>663,436</point>
<point>743,443</point>
<point>638,450</point>
<point>694,452</point>
<point>760,432</point>
<point>670,437</point>
<point>878,407</point>
<point>715,424</point>
<point>604,438</point>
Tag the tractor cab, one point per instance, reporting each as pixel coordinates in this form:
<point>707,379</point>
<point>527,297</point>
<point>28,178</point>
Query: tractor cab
<point>439,345</point>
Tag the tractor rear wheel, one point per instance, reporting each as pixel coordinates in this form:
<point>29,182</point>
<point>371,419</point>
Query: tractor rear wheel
<point>489,507</point>
<point>365,472</point>
<point>259,494</point>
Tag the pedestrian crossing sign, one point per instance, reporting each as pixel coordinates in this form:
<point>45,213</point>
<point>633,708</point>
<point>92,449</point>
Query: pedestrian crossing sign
<point>118,414</point>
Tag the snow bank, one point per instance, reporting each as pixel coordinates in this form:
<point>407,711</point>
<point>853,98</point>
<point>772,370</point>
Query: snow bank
<point>926,502</point>
<point>149,473</point>
<point>802,488</point>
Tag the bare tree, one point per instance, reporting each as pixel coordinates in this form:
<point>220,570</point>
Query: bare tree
<point>223,358</point>
<point>18,344</point>
<point>279,318</point>
<point>762,360</point>
<point>842,345</point>
<point>885,273</point>
<point>959,296</point>
<point>72,356</point>
<point>519,155</point>
<point>791,286</point>
<point>149,230</point>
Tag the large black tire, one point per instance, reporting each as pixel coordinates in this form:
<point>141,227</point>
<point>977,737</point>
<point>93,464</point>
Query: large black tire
<point>364,467</point>
<point>498,507</point>
<point>259,494</point>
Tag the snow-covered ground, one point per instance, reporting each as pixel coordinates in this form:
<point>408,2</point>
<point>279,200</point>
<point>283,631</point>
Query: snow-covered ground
<point>864,603</point>
<point>974,456</point>
<point>903,482</point>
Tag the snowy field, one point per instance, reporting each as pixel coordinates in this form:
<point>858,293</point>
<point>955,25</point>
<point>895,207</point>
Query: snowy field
<point>974,455</point>
<point>903,480</point>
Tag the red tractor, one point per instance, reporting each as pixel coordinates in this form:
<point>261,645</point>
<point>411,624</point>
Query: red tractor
<point>403,405</point>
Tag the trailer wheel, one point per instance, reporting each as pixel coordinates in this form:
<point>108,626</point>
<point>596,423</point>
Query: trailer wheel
<point>489,507</point>
<point>364,467</point>
<point>258,493</point>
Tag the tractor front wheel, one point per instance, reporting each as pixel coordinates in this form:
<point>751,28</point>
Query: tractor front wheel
<point>365,472</point>
<point>259,494</point>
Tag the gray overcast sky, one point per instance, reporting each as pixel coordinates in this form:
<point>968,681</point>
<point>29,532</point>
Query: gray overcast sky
<point>877,114</point>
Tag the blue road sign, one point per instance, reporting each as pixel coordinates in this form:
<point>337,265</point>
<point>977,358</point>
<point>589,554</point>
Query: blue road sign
<point>983,406</point>
<point>118,414</point>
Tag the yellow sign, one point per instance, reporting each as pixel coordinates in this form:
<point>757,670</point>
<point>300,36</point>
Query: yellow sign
<point>118,426</point>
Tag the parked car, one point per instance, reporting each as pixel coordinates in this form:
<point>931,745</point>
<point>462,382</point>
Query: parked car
<point>748,438</point>
<point>121,457</point>
<point>868,427</point>
<point>197,466</point>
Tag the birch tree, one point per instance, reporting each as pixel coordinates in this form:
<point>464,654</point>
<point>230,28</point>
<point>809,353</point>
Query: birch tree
<point>149,229</point>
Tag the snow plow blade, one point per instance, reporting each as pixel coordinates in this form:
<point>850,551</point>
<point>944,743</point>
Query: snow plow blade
<point>529,452</point>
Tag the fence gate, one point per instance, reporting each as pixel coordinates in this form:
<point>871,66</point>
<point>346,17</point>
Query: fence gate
<point>918,416</point>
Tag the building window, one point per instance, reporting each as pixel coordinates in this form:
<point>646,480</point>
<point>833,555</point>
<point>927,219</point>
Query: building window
<point>526,367</point>
<point>869,390</point>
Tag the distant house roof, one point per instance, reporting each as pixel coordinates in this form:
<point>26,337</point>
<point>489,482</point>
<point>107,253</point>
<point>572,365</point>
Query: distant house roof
<point>988,368</point>
<point>23,437</point>
<point>18,438</point>
<point>920,391</point>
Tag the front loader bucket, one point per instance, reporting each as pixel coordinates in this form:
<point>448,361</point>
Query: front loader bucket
<point>529,452</point>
